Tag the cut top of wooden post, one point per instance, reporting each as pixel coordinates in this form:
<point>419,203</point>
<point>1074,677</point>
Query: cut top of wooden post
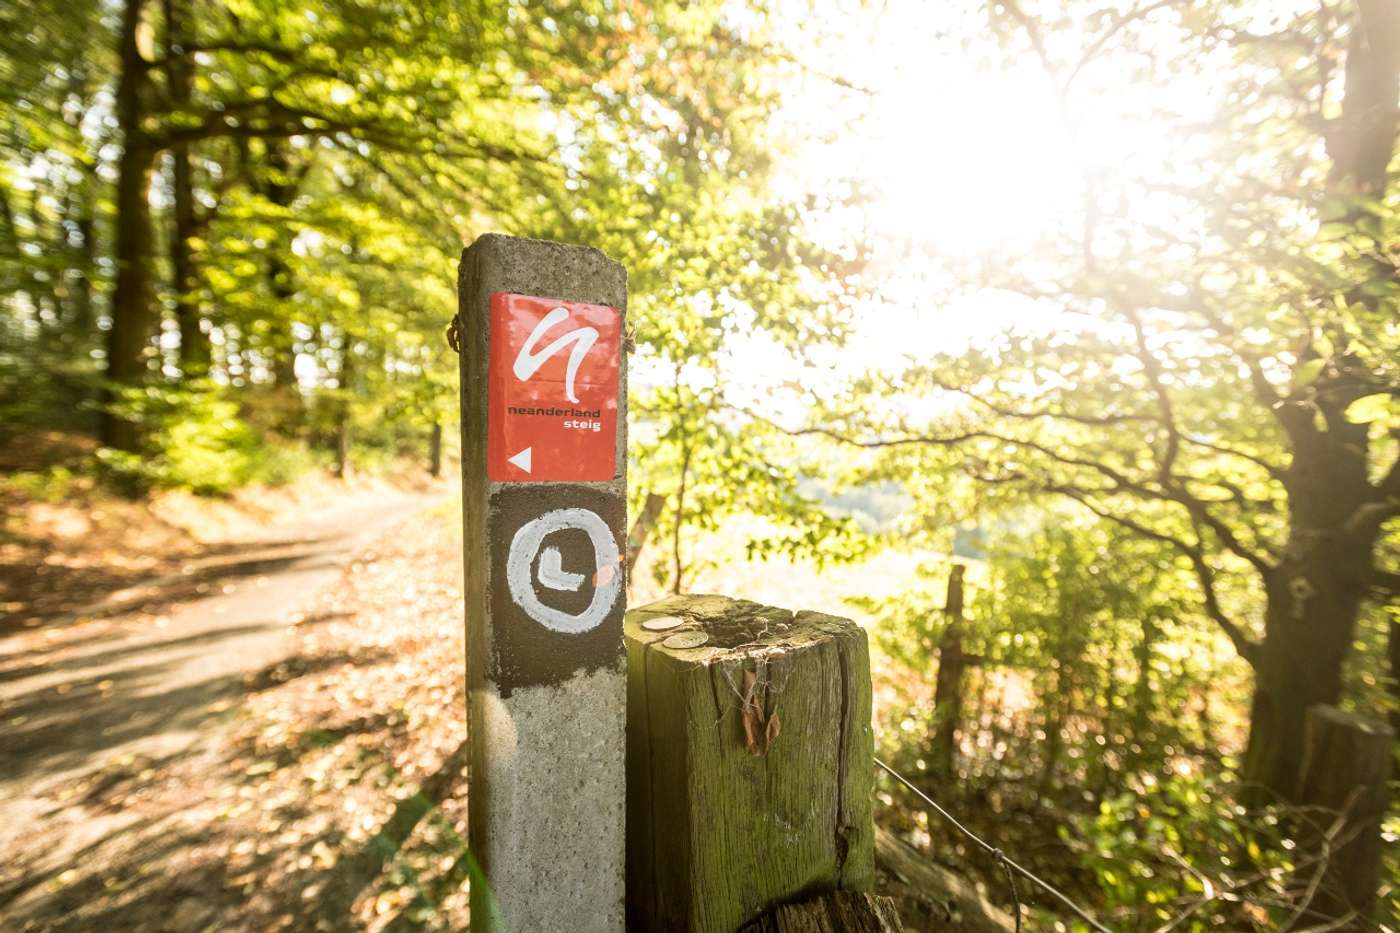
<point>750,761</point>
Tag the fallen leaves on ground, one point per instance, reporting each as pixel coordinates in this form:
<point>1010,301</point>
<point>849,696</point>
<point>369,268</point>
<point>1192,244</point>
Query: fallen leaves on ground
<point>333,797</point>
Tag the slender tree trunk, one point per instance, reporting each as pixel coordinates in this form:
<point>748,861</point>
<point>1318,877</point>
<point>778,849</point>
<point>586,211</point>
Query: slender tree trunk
<point>677,581</point>
<point>342,441</point>
<point>195,351</point>
<point>641,528</point>
<point>133,295</point>
<point>85,255</point>
<point>281,190</point>
<point>1054,734</point>
<point>435,450</point>
<point>79,209</point>
<point>1069,657</point>
<point>948,684</point>
<point>46,291</point>
<point>1393,656</point>
<point>1101,765</point>
<point>342,416</point>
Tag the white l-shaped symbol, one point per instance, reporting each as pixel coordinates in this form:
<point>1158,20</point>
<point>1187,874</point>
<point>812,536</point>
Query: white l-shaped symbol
<point>528,362</point>
<point>553,574</point>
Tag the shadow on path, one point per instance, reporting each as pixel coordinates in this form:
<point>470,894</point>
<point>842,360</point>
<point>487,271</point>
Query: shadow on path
<point>137,884</point>
<point>51,732</point>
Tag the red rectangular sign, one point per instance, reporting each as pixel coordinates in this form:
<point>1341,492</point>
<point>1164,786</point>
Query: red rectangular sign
<point>552,390</point>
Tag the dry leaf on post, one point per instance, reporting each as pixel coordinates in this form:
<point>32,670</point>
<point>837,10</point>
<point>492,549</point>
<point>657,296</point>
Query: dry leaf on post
<point>759,732</point>
<point>775,725</point>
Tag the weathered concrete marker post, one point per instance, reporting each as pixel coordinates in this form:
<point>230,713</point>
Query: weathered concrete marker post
<point>544,482</point>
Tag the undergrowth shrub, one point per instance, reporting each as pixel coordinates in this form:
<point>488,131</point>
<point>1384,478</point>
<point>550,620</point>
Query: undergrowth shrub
<point>196,439</point>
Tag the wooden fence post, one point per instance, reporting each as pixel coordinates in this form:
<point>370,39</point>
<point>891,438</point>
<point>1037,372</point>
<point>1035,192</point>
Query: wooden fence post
<point>953,663</point>
<point>750,762</point>
<point>833,912</point>
<point>544,483</point>
<point>1342,794</point>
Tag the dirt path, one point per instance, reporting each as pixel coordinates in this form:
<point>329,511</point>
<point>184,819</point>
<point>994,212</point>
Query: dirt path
<point>153,677</point>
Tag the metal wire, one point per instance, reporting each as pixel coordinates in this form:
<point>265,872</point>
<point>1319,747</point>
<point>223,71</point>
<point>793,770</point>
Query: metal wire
<point>1001,860</point>
<point>1000,857</point>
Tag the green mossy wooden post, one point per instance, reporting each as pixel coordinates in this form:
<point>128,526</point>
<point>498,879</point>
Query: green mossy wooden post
<point>833,912</point>
<point>750,762</point>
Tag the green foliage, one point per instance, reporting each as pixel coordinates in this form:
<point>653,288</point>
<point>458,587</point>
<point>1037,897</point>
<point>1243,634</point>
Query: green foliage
<point>1096,633</point>
<point>337,157</point>
<point>278,463</point>
<point>202,443</point>
<point>1096,698</point>
<point>1173,845</point>
<point>52,485</point>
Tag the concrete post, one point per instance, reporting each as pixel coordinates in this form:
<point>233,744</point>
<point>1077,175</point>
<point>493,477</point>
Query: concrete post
<point>544,473</point>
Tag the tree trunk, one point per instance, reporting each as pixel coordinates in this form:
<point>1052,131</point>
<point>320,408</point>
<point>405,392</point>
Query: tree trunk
<point>1393,656</point>
<point>345,379</point>
<point>1144,699</point>
<point>195,351</point>
<point>281,191</point>
<point>948,686</point>
<point>84,311</point>
<point>342,441</point>
<point>641,529</point>
<point>79,208</point>
<point>133,295</point>
<point>435,450</point>
<point>1068,658</point>
<point>678,566</point>
<point>1300,665</point>
<point>1362,139</point>
<point>1314,599</point>
<point>1315,594</point>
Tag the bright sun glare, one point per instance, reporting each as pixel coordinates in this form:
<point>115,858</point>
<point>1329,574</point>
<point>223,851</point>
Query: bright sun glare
<point>952,159</point>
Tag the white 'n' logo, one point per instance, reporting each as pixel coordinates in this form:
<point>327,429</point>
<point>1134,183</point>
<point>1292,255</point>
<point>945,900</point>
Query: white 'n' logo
<point>528,362</point>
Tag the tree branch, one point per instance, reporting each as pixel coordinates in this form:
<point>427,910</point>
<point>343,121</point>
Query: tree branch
<point>1170,492</point>
<point>1273,471</point>
<point>1036,414</point>
<point>241,46</point>
<point>1249,650</point>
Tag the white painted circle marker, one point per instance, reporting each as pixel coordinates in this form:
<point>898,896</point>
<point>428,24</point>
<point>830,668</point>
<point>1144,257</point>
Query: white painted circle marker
<point>525,546</point>
<point>662,623</point>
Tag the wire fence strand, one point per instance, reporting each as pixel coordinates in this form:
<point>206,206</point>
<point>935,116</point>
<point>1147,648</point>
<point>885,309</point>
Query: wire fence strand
<point>1000,857</point>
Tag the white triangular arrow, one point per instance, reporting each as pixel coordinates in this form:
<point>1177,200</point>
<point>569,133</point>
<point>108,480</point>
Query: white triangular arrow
<point>522,459</point>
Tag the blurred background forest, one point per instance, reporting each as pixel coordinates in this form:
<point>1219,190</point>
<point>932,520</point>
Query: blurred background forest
<point>1096,301</point>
